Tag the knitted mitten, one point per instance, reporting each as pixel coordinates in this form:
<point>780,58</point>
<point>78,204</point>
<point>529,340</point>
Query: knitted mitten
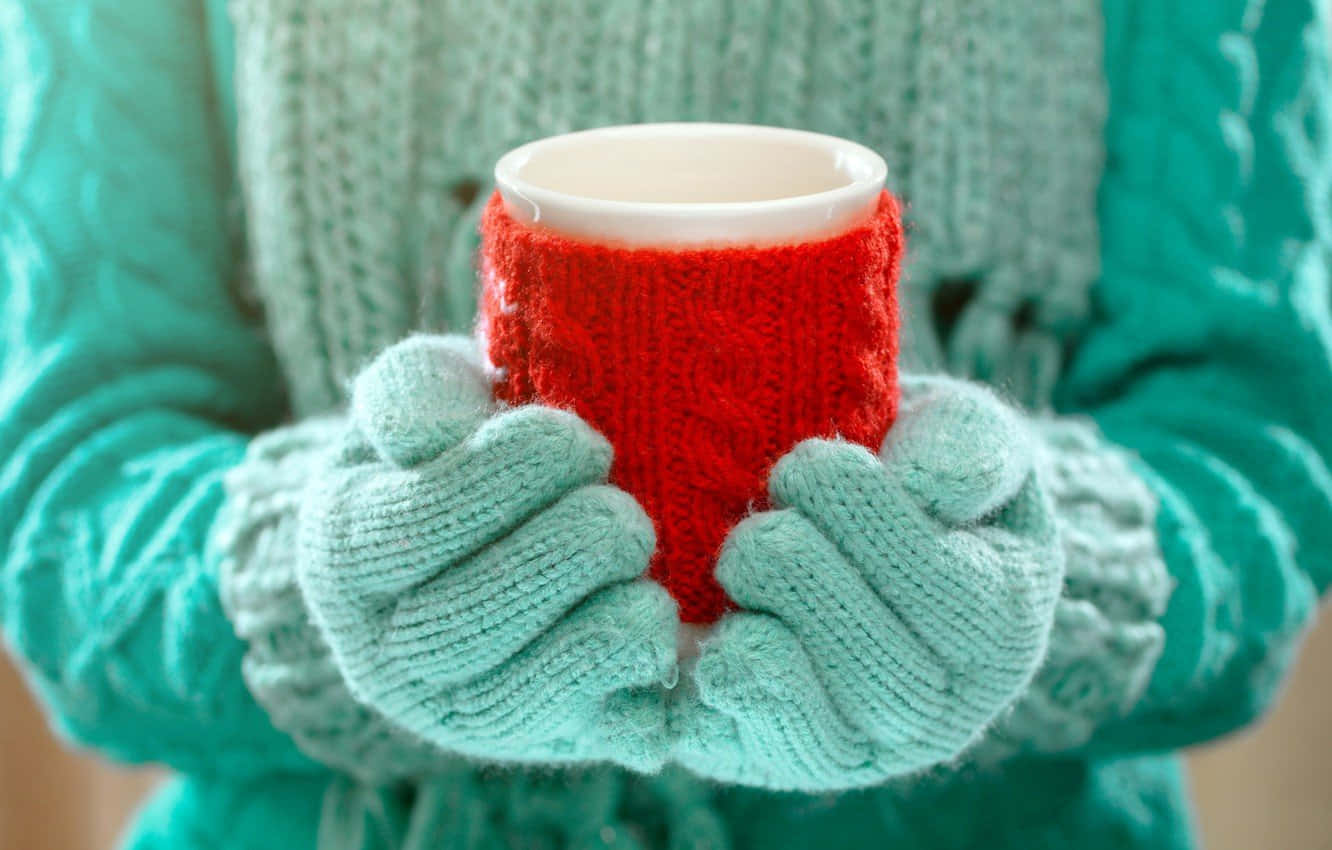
<point>1107,632</point>
<point>896,604</point>
<point>287,665</point>
<point>475,583</point>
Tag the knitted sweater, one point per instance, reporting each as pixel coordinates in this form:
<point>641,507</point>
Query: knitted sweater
<point>136,372</point>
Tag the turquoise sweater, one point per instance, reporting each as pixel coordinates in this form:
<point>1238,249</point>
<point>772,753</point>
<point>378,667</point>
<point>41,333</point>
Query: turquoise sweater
<point>134,375</point>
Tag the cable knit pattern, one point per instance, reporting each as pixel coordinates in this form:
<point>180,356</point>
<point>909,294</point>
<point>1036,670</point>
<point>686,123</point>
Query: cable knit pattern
<point>116,424</point>
<point>351,183</point>
<point>1205,277</point>
<point>130,382</point>
<point>701,367</point>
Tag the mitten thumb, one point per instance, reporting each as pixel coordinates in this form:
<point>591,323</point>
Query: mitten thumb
<point>957,448</point>
<point>420,397</point>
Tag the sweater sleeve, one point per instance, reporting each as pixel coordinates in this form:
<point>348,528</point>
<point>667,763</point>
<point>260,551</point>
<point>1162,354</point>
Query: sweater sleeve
<point>128,380</point>
<point>1210,357</point>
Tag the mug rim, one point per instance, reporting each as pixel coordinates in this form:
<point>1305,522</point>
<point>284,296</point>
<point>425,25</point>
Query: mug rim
<point>806,216</point>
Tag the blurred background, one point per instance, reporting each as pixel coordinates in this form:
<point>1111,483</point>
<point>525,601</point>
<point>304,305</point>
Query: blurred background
<point>1267,789</point>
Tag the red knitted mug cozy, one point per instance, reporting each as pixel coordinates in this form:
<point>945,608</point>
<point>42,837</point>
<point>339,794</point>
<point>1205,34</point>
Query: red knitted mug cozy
<point>701,366</point>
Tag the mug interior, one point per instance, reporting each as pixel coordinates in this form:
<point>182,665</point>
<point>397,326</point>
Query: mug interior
<point>705,168</point>
<point>692,184</point>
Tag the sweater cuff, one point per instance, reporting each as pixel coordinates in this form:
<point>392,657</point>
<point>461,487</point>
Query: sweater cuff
<point>288,667</point>
<point>1107,634</point>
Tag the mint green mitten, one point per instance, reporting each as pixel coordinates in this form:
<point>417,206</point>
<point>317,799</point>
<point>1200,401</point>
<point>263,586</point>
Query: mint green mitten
<point>895,605</point>
<point>472,582</point>
<point>477,581</point>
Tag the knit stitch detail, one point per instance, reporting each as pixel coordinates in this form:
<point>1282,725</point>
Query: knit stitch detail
<point>120,354</point>
<point>1107,634</point>
<point>460,589</point>
<point>475,579</point>
<point>362,198</point>
<point>702,367</point>
<point>935,565</point>
<point>288,666</point>
<point>1215,221</point>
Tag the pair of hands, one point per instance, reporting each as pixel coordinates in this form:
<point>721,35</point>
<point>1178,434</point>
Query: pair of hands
<point>481,585</point>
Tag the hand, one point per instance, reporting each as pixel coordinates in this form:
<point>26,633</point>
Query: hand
<point>476,581</point>
<point>894,604</point>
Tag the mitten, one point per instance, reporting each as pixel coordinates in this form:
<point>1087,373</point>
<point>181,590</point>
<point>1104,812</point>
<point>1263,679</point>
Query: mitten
<point>894,604</point>
<point>1107,636</point>
<point>475,582</point>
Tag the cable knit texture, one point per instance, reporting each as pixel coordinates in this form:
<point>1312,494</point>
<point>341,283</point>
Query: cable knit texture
<point>134,373</point>
<point>128,383</point>
<point>701,367</point>
<point>463,809</point>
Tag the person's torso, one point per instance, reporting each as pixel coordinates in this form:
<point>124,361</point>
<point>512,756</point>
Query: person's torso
<point>369,130</point>
<point>1132,804</point>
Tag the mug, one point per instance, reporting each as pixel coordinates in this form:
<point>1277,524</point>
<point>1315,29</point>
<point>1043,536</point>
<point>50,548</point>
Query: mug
<point>706,296</point>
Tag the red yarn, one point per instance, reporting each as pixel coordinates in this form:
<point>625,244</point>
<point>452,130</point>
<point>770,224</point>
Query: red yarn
<point>701,366</point>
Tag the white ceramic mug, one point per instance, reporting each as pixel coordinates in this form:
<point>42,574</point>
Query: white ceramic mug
<point>653,196</point>
<point>692,184</point>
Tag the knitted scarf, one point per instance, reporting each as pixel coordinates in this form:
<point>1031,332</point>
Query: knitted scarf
<point>368,129</point>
